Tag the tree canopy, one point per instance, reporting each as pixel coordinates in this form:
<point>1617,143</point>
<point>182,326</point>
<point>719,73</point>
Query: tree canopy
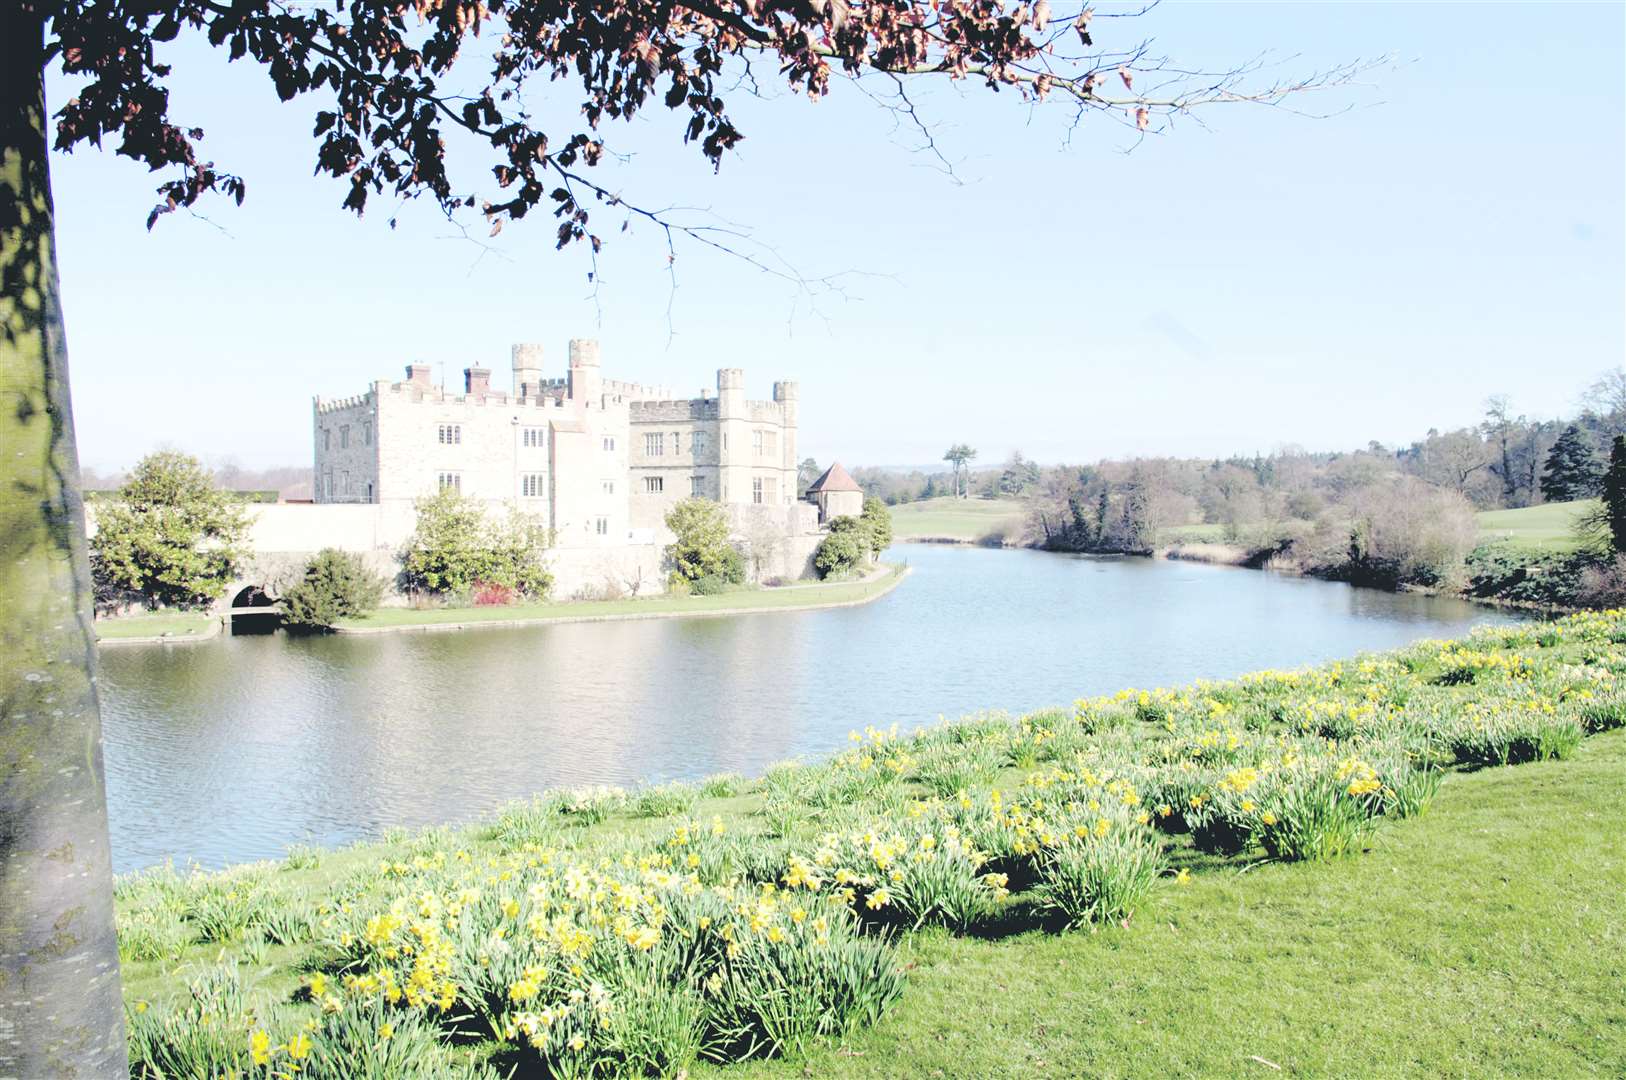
<point>171,536</point>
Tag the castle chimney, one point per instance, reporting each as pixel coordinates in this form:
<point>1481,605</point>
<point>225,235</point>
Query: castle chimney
<point>419,374</point>
<point>476,381</point>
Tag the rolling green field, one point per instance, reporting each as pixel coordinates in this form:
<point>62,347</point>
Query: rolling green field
<point>183,624</point>
<point>1411,863</point>
<point>1550,526</point>
<point>741,600</point>
<point>957,519</point>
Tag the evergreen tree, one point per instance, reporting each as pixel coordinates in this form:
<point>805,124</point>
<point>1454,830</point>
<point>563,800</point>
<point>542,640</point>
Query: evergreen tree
<point>1614,493</point>
<point>1572,470</point>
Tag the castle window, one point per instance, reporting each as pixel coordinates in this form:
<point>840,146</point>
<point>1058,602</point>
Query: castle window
<point>654,444</point>
<point>530,485</point>
<point>451,434</point>
<point>367,433</point>
<point>449,480</point>
<point>677,442</point>
<point>756,489</point>
<point>609,442</point>
<point>756,443</point>
<point>533,437</point>
<point>344,436</point>
<point>770,490</point>
<point>654,485</point>
<point>344,482</point>
<point>369,491</point>
<point>328,483</point>
<point>327,439</point>
<point>697,486</point>
<point>697,442</point>
<point>609,487</point>
<point>604,526</point>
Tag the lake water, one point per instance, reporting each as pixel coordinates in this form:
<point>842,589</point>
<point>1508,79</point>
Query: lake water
<point>233,749</point>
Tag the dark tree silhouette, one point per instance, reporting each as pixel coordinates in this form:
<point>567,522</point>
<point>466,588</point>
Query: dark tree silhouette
<point>1614,494</point>
<point>395,85</point>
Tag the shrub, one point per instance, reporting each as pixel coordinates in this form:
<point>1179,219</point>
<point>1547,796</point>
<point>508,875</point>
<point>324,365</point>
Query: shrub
<point>844,550</point>
<point>1409,532</point>
<point>491,594</point>
<point>336,584</point>
<point>455,547</point>
<point>700,547</point>
<point>171,536</point>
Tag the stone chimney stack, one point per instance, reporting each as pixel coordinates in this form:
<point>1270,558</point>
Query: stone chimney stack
<point>420,375</point>
<point>477,381</point>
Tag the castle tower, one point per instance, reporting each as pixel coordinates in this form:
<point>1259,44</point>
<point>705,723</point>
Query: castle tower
<point>586,383</point>
<point>734,433</point>
<point>786,394</point>
<point>527,370</point>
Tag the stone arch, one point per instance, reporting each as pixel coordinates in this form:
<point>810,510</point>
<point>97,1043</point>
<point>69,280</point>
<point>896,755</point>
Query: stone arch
<point>251,609</point>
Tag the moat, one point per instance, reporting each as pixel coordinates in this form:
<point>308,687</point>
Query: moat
<point>233,749</point>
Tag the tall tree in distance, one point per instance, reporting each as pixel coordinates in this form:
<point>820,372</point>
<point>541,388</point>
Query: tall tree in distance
<point>396,84</point>
<point>960,456</point>
<point>1572,470</point>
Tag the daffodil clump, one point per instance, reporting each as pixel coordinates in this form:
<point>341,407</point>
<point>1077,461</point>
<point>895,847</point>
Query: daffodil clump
<point>598,932</point>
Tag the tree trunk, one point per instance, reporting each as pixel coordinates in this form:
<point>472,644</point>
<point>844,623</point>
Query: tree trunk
<point>60,1008</point>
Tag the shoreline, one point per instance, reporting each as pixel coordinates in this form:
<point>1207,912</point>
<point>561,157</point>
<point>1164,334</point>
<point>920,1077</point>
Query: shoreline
<point>888,578</point>
<point>212,630</point>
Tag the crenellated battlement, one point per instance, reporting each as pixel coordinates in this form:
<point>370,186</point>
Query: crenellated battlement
<point>653,412</point>
<point>333,405</point>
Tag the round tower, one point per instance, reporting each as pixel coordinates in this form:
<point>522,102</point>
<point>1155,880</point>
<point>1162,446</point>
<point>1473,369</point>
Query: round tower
<point>527,369</point>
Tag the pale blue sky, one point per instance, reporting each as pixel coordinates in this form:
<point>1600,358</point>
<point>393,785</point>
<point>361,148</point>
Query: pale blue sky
<point>1269,280</point>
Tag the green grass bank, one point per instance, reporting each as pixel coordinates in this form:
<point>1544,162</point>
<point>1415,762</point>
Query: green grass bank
<point>832,594</point>
<point>183,624</point>
<point>1400,864</point>
<point>967,520</point>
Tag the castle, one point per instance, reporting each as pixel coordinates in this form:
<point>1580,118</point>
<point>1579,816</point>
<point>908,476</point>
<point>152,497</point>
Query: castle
<point>597,461</point>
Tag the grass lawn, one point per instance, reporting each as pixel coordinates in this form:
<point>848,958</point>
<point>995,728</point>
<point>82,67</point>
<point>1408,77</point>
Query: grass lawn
<point>1485,938</point>
<point>958,519</point>
<point>1550,526</point>
<point>744,599</point>
<point>1211,533</point>
<point>176,625</point>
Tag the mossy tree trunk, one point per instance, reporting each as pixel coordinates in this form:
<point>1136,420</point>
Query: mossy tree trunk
<point>60,1010</point>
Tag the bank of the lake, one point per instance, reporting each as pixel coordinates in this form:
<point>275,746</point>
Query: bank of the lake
<point>158,628</point>
<point>783,598</point>
<point>1467,921</point>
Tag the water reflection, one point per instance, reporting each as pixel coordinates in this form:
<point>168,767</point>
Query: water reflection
<point>233,749</point>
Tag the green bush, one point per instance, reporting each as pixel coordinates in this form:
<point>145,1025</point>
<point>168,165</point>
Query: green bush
<point>700,548</point>
<point>455,547</point>
<point>336,584</point>
<point>845,549</point>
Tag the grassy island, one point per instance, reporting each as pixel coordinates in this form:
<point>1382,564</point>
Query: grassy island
<point>1328,871</point>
